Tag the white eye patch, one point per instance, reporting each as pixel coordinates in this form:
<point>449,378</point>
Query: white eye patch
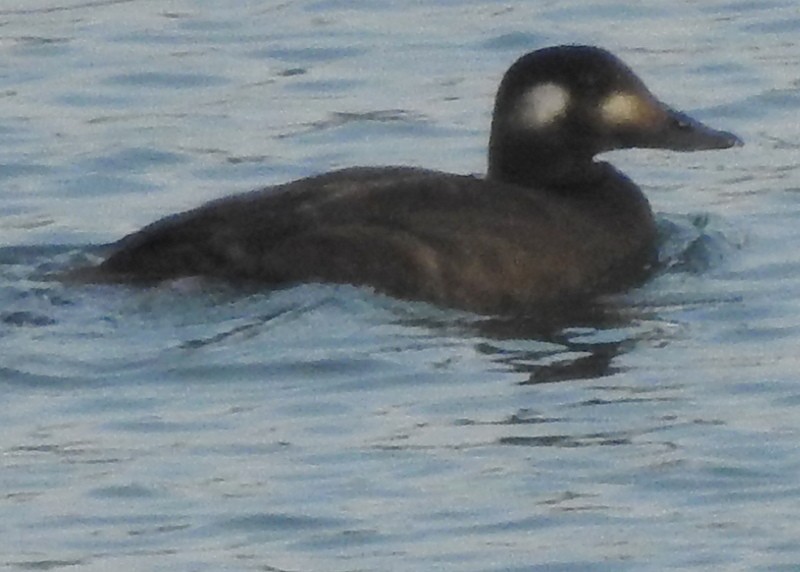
<point>543,104</point>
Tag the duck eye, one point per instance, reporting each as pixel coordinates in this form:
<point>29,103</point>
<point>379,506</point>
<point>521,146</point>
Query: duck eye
<point>590,82</point>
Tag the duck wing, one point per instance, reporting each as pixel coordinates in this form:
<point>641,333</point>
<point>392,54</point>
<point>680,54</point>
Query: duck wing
<point>457,240</point>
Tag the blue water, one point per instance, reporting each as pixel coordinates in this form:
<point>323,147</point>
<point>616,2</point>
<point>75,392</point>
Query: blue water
<point>197,427</point>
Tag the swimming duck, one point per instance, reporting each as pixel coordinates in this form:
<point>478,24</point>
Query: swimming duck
<point>548,224</point>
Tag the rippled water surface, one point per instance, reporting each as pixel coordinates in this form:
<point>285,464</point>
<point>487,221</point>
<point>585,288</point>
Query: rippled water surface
<point>199,427</point>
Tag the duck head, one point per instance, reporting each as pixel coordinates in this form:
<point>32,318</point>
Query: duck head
<point>558,107</point>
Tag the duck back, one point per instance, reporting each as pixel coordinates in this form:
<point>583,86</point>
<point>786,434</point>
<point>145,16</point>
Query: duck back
<point>457,240</point>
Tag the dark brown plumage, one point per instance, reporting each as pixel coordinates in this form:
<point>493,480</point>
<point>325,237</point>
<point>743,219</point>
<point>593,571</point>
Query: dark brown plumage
<point>548,224</point>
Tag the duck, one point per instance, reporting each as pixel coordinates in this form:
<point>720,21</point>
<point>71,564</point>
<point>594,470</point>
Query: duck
<point>548,224</point>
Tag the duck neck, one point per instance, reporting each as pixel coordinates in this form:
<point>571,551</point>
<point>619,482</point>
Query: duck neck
<point>531,163</point>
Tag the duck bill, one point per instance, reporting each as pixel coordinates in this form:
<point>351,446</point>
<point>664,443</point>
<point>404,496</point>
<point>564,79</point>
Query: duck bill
<point>679,132</point>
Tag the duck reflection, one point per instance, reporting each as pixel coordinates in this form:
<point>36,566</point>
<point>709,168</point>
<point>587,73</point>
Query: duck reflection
<point>561,344</point>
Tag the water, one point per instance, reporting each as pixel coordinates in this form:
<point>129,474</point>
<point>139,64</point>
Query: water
<point>191,427</point>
